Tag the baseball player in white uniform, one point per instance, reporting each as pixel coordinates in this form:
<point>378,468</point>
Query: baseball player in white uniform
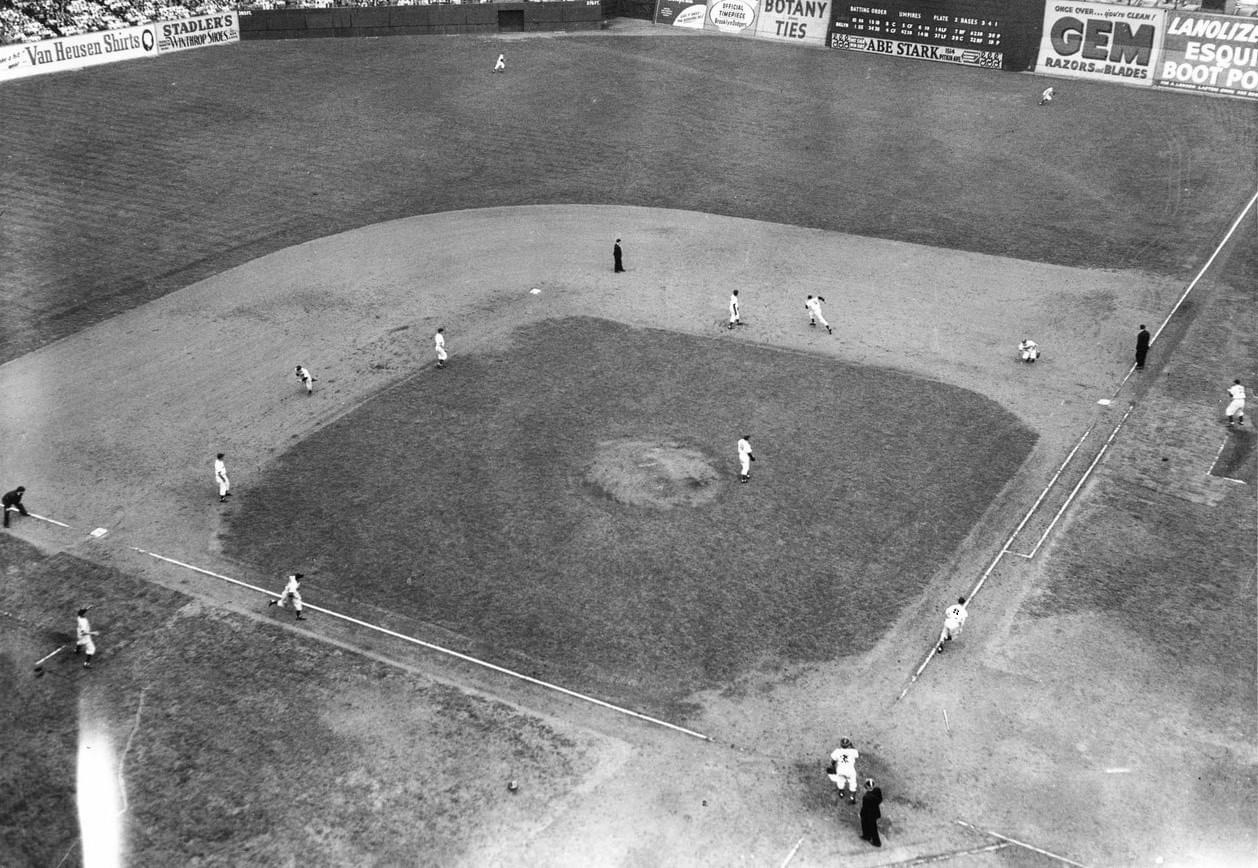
<point>1047,96</point>
<point>501,65</point>
<point>291,592</point>
<point>954,620</point>
<point>307,380</point>
<point>83,634</point>
<point>220,476</point>
<point>842,768</point>
<point>1028,350</point>
<point>1237,405</point>
<point>745,458</point>
<point>813,306</point>
<point>439,344</point>
<point>733,310</point>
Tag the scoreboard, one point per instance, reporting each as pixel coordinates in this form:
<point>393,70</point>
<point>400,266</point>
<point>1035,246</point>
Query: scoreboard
<point>953,32</point>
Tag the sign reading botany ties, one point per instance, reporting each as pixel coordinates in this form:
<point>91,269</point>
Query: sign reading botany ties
<point>1101,41</point>
<point>802,21</point>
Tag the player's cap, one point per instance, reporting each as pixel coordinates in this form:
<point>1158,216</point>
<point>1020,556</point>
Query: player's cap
<point>845,742</point>
<point>82,612</point>
<point>869,783</point>
<point>961,600</point>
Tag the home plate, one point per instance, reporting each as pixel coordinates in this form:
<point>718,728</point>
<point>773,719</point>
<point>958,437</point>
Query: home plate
<point>535,291</point>
<point>98,533</point>
<point>1104,402</point>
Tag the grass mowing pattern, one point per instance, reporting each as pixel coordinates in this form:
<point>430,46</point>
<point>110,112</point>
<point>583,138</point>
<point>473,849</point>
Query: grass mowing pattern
<point>460,498</point>
<point>124,182</point>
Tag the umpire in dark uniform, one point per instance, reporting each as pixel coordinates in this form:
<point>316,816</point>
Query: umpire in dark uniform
<point>870,812</point>
<point>13,500</point>
<point>1142,347</point>
<point>618,260</point>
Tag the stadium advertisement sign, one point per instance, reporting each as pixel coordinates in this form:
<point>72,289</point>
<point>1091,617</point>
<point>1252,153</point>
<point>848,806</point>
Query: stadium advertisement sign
<point>77,52</point>
<point>732,16</point>
<point>1101,42</point>
<point>1209,53</point>
<point>680,13</point>
<point>802,21</point>
<point>197,32</point>
<point>919,29</point>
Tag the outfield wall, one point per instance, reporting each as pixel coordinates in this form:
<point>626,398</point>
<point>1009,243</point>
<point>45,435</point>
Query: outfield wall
<point>111,46</point>
<point>1136,45</point>
<point>422,20</point>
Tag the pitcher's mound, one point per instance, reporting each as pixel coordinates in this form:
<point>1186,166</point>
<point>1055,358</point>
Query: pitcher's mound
<point>652,473</point>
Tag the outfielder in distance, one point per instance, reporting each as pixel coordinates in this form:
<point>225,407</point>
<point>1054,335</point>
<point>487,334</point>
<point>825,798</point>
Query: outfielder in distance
<point>813,306</point>
<point>954,621</point>
<point>1236,407</point>
<point>83,634</point>
<point>291,592</point>
<point>307,379</point>
<point>439,345</point>
<point>220,476</point>
<point>842,769</point>
<point>734,316</point>
<point>745,458</point>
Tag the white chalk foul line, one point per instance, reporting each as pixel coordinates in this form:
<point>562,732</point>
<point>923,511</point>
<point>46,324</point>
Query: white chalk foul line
<point>1018,843</point>
<point>439,649</point>
<point>1192,284</point>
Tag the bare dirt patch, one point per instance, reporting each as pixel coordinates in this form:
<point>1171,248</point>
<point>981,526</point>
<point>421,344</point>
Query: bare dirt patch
<point>653,474</point>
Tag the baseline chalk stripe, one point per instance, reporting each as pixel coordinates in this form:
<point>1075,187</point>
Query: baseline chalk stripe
<point>1018,843</point>
<point>49,520</point>
<point>1086,475</point>
<point>439,649</point>
<point>1192,284</point>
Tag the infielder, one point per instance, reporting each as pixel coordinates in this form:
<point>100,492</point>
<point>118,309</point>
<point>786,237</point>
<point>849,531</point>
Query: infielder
<point>291,592</point>
<point>220,476</point>
<point>501,65</point>
<point>1237,406</point>
<point>306,379</point>
<point>83,634</point>
<point>954,620</point>
<point>1047,96</point>
<point>813,306</point>
<point>733,310</point>
<point>1028,350</point>
<point>745,458</point>
<point>439,344</point>
<point>842,768</point>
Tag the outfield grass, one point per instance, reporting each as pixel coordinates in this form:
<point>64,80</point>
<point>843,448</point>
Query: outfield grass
<point>460,497</point>
<point>126,181</point>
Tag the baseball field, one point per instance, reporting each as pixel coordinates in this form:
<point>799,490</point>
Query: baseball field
<point>537,565</point>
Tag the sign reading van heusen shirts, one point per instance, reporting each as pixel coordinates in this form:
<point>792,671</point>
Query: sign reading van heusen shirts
<point>801,21</point>
<point>1101,42</point>
<point>1209,53</point>
<point>76,52</point>
<point>197,32</point>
